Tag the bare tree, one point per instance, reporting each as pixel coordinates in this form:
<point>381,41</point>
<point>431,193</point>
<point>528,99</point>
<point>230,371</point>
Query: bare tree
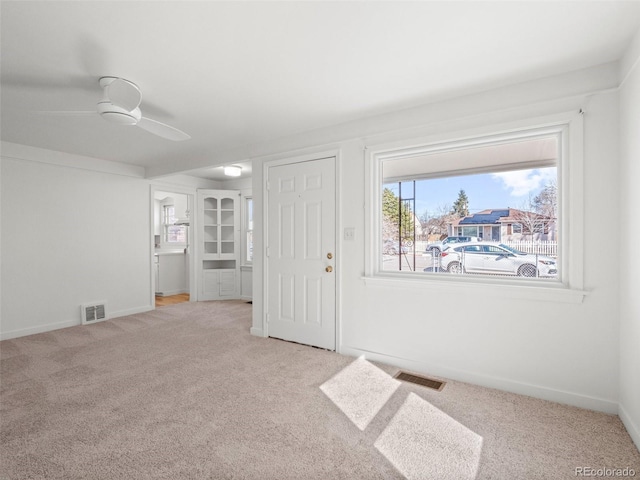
<point>436,223</point>
<point>531,220</point>
<point>546,202</point>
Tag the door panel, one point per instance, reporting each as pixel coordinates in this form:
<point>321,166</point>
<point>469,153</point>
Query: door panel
<point>472,259</point>
<point>301,234</point>
<point>496,261</point>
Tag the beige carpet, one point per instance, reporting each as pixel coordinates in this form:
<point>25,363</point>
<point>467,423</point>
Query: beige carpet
<point>184,392</point>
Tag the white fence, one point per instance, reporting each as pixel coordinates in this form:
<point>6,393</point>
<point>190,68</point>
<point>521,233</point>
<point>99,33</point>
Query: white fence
<point>543,247</point>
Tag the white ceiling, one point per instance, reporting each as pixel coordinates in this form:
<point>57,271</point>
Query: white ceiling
<point>235,74</point>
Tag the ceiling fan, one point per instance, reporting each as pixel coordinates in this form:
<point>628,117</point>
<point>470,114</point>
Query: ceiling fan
<point>120,104</point>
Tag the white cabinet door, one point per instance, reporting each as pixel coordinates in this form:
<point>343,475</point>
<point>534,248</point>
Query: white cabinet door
<point>218,284</point>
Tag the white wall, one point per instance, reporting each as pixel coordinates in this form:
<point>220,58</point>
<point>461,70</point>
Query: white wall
<point>79,231</point>
<point>560,351</point>
<point>629,255</point>
<point>76,236</point>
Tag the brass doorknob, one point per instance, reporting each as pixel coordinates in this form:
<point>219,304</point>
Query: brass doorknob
<point>329,269</point>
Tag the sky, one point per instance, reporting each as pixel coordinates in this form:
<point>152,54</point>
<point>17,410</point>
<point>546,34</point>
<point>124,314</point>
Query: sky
<point>484,191</point>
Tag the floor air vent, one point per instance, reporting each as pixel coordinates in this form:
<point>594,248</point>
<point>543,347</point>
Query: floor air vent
<point>93,313</point>
<point>418,380</point>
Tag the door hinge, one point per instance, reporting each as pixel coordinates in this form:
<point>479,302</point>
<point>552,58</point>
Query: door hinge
<point>268,252</point>
<point>268,185</point>
<point>268,317</point>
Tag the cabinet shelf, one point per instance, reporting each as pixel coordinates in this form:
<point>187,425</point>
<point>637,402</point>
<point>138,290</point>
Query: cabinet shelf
<point>219,246</point>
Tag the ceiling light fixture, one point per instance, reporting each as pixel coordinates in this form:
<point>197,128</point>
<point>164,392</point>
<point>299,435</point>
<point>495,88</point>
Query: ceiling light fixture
<point>233,171</point>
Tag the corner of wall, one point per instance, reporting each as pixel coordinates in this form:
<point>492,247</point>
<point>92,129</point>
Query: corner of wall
<point>630,59</point>
<point>629,94</point>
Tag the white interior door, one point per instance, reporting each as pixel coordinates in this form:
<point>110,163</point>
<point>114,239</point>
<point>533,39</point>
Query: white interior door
<point>301,287</point>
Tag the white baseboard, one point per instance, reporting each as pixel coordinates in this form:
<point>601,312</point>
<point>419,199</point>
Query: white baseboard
<point>131,311</point>
<point>172,292</point>
<point>23,332</point>
<point>258,332</point>
<point>629,424</point>
<point>537,391</point>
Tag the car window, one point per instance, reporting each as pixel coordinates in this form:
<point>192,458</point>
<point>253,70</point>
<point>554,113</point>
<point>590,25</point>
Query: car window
<point>494,250</point>
<point>470,249</point>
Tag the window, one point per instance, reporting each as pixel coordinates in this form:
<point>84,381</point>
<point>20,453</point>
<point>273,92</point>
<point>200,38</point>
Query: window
<point>249,229</point>
<point>502,192</point>
<point>172,234</point>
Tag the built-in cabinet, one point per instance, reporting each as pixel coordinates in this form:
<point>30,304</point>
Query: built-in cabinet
<point>219,244</point>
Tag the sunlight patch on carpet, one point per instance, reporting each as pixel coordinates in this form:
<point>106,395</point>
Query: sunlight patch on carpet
<point>423,442</point>
<point>360,390</point>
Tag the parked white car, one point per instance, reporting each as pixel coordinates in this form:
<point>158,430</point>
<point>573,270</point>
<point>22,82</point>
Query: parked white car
<point>497,259</point>
<point>391,247</point>
<point>437,247</point>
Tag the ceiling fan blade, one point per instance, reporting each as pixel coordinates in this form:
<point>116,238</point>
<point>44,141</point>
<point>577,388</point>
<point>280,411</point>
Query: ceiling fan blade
<point>123,93</point>
<point>162,130</point>
<point>65,113</point>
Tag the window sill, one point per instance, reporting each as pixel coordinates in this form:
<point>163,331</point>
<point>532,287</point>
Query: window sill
<point>524,291</point>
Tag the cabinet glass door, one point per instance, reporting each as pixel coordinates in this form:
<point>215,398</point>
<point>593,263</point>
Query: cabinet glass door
<point>227,226</point>
<point>210,217</point>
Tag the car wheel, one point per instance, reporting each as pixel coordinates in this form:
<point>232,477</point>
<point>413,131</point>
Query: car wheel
<point>454,267</point>
<point>527,271</point>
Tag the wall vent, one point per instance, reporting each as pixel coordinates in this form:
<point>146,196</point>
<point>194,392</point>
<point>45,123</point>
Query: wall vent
<point>93,312</point>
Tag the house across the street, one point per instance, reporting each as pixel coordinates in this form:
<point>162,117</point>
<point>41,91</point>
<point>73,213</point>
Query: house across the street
<point>505,225</point>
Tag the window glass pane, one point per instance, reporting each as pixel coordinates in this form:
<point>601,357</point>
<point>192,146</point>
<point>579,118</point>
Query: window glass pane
<point>499,195</point>
<point>249,230</point>
<point>172,233</point>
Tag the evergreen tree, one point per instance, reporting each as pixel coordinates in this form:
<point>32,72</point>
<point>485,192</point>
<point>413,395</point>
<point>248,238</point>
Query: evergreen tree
<point>461,205</point>
<point>391,217</point>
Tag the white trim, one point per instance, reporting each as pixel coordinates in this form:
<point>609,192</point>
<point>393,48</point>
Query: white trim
<point>245,195</point>
<point>168,293</point>
<point>525,290</point>
<point>521,388</point>
<point>191,238</point>
<point>69,160</point>
<point>23,332</point>
<point>257,332</point>
<point>632,428</point>
<point>267,165</point>
<point>630,60</point>
<point>570,177</point>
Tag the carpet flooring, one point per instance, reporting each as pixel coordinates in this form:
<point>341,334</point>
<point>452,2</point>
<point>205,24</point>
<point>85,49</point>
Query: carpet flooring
<point>185,392</point>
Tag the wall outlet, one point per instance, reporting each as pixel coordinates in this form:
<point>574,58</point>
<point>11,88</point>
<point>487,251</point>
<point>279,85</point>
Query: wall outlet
<point>350,234</point>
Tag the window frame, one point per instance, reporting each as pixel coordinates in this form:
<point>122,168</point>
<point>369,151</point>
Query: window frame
<point>569,128</point>
<point>168,221</point>
<point>248,221</point>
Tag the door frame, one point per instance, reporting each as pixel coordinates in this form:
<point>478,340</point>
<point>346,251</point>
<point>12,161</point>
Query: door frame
<point>191,200</point>
<point>267,165</point>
